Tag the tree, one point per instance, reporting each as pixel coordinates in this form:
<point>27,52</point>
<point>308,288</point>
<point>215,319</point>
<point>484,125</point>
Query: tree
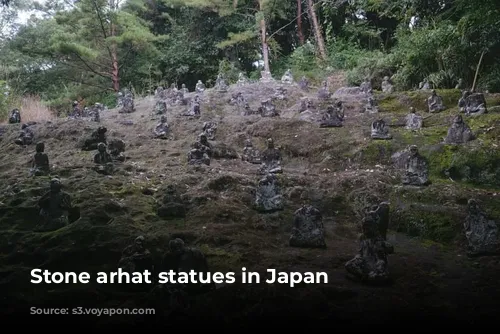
<point>300,31</point>
<point>318,34</point>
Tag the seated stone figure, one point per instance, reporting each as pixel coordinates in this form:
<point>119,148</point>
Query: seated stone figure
<point>103,160</point>
<point>238,99</point>
<point>136,257</point>
<point>333,117</point>
<point>200,87</point>
<point>116,150</point>
<point>424,85</point>
<point>15,116</point>
<point>161,130</point>
<point>184,90</point>
<point>472,104</point>
<point>97,136</point>
<point>435,103</point>
<point>380,130</point>
<point>55,208</point>
<point>459,132</point>
<point>26,136</point>
<point>194,108</point>
<point>413,120</point>
<point>366,86</point>
<point>95,113</point>
<point>370,264</point>
<point>267,109</point>
<point>460,84</point>
<point>209,129</point>
<point>306,104</point>
<point>371,106</point>
<point>287,78</point>
<point>40,165</point>
<point>304,84</point>
<point>200,152</point>
<point>308,230</point>
<point>242,79</point>
<point>183,259</point>
<point>128,103</point>
<point>324,92</point>
<point>416,169</point>
<point>280,93</point>
<point>77,111</point>
<point>271,159</point>
<point>481,231</point>
<point>386,86</point>
<point>221,84</point>
<point>119,100</point>
<point>160,108</point>
<point>268,196</point>
<point>251,154</point>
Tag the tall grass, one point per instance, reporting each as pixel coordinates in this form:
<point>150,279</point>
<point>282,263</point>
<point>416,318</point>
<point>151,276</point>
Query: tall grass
<point>32,110</point>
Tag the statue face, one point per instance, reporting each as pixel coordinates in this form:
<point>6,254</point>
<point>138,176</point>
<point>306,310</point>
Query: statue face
<point>458,119</point>
<point>413,151</point>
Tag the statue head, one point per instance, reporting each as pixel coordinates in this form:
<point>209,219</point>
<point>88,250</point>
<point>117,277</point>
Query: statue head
<point>413,150</point>
<point>55,185</point>
<point>465,93</point>
<point>102,130</point>
<point>24,126</point>
<point>176,246</point>
<point>203,139</point>
<point>433,92</point>
<point>101,147</point>
<point>183,85</point>
<point>386,78</point>
<point>199,82</point>
<point>473,205</point>
<point>338,104</point>
<point>40,147</point>
<point>324,84</point>
<point>248,142</point>
<point>139,241</point>
<point>75,103</point>
<point>163,119</point>
<point>270,143</point>
<point>458,119</point>
<point>120,94</point>
<point>14,111</point>
<point>412,110</point>
<point>369,224</point>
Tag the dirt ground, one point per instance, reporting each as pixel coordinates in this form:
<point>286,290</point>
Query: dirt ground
<point>332,169</point>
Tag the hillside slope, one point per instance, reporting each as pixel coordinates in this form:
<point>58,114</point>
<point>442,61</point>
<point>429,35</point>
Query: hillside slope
<point>339,170</point>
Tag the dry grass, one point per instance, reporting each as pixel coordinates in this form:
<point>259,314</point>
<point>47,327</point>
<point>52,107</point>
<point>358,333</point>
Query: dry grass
<point>32,110</point>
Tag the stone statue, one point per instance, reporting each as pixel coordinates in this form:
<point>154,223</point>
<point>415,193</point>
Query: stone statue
<point>97,136</point>
<point>221,84</point>
<point>306,104</point>
<point>287,78</point>
<point>304,84</point>
<point>459,132</point>
<point>413,120</point>
<point>128,103</point>
<point>271,159</point>
<point>308,230</point>
<point>370,264</point>
<point>371,107</point>
<point>26,136</point>
<point>333,117</point>
<point>184,90</point>
<point>281,93</point>
<point>15,116</point>
<point>251,154</point>
<point>194,109</point>
<point>267,109</point>
<point>119,100</point>
<point>55,208</point>
<point>209,129</point>
<point>324,92</point>
<point>95,113</point>
<point>200,87</point>
<point>435,103</point>
<point>387,87</point>
<point>268,195</point>
<point>200,152</point>
<point>162,129</point>
<point>416,169</point>
<point>366,86</point>
<point>472,104</point>
<point>116,148</point>
<point>103,160</point>
<point>136,257</point>
<point>460,84</point>
<point>183,259</point>
<point>266,77</point>
<point>160,107</point>
<point>424,85</point>
<point>481,231</point>
<point>76,112</point>
<point>242,79</point>
<point>380,130</point>
<point>40,164</point>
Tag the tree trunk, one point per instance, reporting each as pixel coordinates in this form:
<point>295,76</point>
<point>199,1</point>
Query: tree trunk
<point>263,37</point>
<point>477,71</point>
<point>300,32</point>
<point>317,30</point>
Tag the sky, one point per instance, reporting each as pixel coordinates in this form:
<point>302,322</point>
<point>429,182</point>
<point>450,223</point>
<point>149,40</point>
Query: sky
<point>23,16</point>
